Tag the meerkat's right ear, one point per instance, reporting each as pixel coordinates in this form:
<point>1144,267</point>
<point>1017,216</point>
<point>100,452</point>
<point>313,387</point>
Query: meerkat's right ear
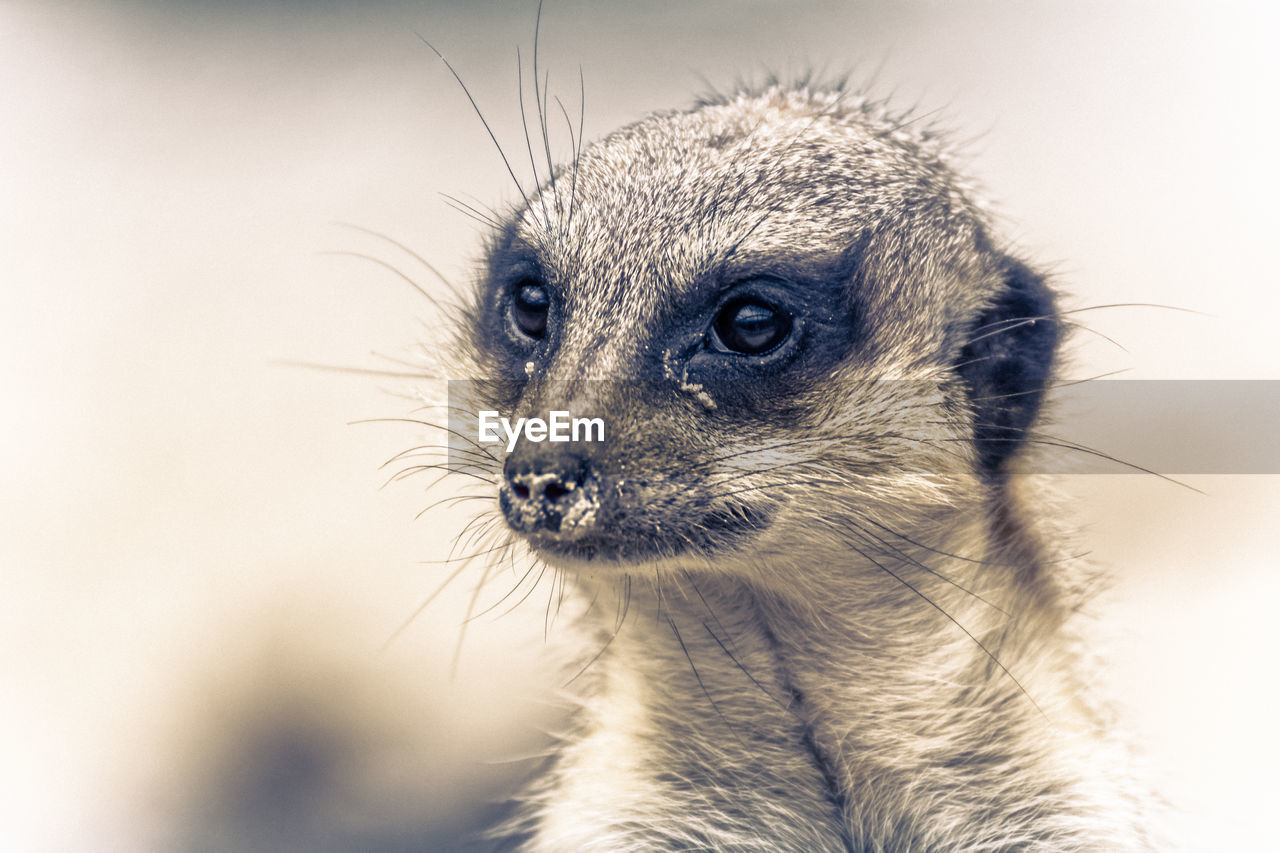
<point>1007,361</point>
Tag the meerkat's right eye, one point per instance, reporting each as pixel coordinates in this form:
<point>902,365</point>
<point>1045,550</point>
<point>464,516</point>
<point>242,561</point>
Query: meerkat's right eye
<point>529,307</point>
<point>750,327</point>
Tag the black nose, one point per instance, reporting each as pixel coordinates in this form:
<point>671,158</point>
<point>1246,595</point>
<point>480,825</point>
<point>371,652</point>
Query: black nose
<point>548,488</point>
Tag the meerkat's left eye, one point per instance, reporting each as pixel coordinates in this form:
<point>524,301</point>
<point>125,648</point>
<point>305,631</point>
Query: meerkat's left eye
<point>529,307</point>
<point>750,327</point>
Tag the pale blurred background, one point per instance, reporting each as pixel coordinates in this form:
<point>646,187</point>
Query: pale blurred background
<point>198,571</point>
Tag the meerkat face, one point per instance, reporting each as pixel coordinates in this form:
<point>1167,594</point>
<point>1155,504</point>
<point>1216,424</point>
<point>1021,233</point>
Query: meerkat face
<point>779,305</point>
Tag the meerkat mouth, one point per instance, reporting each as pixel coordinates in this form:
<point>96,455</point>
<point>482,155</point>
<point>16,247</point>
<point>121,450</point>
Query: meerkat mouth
<point>710,536</point>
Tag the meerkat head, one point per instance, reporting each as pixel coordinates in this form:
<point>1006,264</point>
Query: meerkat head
<point>782,305</point>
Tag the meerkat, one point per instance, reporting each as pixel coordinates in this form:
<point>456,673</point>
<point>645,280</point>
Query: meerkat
<point>826,611</point>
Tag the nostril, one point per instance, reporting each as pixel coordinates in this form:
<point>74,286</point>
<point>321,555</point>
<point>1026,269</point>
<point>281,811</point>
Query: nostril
<point>550,487</point>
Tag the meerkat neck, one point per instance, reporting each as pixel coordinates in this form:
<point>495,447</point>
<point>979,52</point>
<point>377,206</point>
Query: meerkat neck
<point>691,736</point>
<point>883,709</point>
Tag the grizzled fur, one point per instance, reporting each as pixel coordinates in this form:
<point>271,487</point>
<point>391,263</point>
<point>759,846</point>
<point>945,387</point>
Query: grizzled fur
<point>824,616</point>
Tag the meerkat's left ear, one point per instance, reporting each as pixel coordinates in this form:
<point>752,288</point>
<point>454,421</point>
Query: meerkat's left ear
<point>1007,362</point>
